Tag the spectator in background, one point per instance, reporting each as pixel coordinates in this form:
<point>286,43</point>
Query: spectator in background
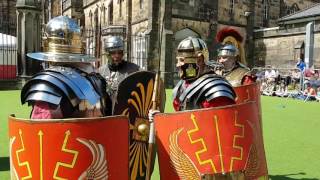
<point>308,73</point>
<point>274,73</point>
<point>316,75</point>
<point>267,73</point>
<point>309,90</point>
<point>295,74</point>
<point>301,64</point>
<point>271,75</point>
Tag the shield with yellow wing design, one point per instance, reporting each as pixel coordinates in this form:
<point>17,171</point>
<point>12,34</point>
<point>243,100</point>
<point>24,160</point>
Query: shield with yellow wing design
<point>134,99</point>
<point>86,148</point>
<point>221,143</point>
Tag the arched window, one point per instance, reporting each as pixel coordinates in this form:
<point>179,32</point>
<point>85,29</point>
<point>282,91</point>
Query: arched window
<point>110,15</point>
<point>90,18</point>
<point>140,49</point>
<point>120,8</point>
<point>96,18</point>
<point>265,12</point>
<point>103,13</point>
<point>141,4</point>
<point>231,7</point>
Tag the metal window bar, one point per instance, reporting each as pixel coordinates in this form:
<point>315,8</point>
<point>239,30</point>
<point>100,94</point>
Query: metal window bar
<point>140,50</point>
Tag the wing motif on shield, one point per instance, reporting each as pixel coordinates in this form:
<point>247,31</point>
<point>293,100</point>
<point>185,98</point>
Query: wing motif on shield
<point>183,165</point>
<point>98,167</point>
<point>14,175</point>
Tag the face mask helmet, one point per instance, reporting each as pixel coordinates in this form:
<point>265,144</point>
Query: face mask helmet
<point>188,52</point>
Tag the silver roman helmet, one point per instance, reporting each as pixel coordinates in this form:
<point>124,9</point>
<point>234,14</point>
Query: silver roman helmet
<point>113,43</point>
<point>228,50</point>
<point>63,42</point>
<point>188,52</point>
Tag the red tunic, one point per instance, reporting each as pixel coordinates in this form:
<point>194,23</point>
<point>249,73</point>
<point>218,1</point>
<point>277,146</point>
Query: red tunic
<point>43,110</point>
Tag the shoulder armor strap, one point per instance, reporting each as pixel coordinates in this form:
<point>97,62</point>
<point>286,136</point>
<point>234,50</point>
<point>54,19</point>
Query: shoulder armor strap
<point>41,92</point>
<point>176,89</point>
<point>66,81</point>
<point>43,96</point>
<point>80,85</point>
<point>197,85</point>
<point>100,86</point>
<point>45,84</point>
<point>212,86</point>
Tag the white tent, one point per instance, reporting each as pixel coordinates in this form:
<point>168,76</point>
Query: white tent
<point>8,51</point>
<point>7,40</point>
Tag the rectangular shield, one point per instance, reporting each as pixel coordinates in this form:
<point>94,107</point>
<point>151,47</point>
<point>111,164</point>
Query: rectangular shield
<point>87,148</point>
<point>211,141</point>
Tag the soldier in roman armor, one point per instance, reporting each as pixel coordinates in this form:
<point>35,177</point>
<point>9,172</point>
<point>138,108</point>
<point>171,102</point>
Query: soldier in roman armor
<point>231,136</point>
<point>232,56</point>
<point>199,87</point>
<point>117,68</point>
<point>236,73</point>
<point>69,87</point>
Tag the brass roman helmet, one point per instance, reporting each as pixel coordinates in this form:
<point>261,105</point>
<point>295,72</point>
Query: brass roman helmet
<point>63,42</point>
<point>188,51</point>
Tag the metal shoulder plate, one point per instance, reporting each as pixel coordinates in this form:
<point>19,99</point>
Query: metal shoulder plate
<point>207,87</point>
<point>176,89</point>
<point>54,83</point>
<point>235,77</point>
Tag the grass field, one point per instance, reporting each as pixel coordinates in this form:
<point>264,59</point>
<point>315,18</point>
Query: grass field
<point>291,136</point>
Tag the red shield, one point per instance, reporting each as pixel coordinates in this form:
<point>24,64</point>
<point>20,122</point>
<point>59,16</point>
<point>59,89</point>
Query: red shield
<point>211,141</point>
<point>69,148</point>
<point>247,93</point>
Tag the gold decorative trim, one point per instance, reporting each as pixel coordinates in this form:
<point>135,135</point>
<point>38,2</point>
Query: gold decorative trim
<point>235,137</point>
<point>26,163</point>
<point>204,147</point>
<point>66,165</point>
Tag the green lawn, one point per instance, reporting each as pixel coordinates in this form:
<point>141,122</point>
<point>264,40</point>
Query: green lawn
<point>291,133</point>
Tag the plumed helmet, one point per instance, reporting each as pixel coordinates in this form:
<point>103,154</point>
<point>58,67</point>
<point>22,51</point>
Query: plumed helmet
<point>63,42</point>
<point>229,35</point>
<point>228,50</point>
<point>113,43</point>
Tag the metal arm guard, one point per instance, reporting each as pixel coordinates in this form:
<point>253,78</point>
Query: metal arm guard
<point>57,83</point>
<point>208,87</point>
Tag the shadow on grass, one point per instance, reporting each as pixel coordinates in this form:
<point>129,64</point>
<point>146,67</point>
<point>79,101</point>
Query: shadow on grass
<point>5,164</point>
<point>286,177</point>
